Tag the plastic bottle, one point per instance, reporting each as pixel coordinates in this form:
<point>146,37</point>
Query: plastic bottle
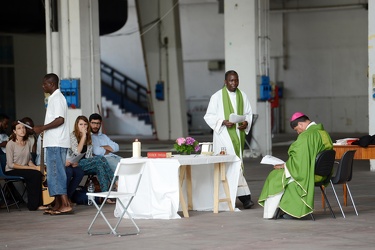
<point>223,151</point>
<point>90,189</point>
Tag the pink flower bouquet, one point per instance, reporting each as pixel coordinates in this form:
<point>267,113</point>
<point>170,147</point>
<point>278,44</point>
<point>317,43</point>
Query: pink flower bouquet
<point>186,145</point>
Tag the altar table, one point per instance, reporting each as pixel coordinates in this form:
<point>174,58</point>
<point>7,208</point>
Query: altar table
<point>360,154</point>
<point>183,183</point>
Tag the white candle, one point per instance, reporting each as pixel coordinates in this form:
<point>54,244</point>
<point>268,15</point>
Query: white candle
<point>136,149</point>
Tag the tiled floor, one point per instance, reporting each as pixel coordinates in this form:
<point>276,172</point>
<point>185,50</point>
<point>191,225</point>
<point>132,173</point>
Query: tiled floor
<point>245,229</point>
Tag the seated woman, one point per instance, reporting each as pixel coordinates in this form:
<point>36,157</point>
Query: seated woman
<point>19,163</point>
<point>31,135</point>
<point>74,176</point>
<point>80,142</point>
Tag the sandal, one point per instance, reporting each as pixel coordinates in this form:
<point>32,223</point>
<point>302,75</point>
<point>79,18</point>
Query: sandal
<point>109,201</point>
<point>43,208</point>
<point>58,212</point>
<point>48,211</point>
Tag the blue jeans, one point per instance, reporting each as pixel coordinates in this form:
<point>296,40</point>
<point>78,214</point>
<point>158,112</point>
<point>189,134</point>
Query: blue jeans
<point>56,175</point>
<point>73,177</point>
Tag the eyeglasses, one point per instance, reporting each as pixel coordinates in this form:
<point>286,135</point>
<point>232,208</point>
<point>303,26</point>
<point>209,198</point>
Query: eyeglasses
<point>95,123</point>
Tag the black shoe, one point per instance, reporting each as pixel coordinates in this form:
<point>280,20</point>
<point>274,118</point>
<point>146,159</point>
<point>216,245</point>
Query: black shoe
<point>246,201</point>
<point>287,217</point>
<point>248,204</point>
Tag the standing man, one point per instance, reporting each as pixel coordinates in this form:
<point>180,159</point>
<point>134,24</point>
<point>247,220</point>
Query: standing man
<point>227,134</point>
<point>293,190</point>
<point>56,141</point>
<point>101,143</point>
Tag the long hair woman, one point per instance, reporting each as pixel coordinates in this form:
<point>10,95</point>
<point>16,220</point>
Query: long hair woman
<point>19,163</point>
<point>80,142</point>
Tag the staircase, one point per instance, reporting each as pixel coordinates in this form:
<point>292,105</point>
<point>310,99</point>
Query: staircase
<point>125,98</point>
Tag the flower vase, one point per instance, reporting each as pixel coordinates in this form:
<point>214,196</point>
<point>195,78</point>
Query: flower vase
<point>185,153</point>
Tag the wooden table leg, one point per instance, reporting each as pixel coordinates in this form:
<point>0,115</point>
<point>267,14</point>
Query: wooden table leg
<point>216,188</point>
<point>189,187</point>
<point>220,175</point>
<point>182,198</point>
<point>224,180</point>
<point>345,192</point>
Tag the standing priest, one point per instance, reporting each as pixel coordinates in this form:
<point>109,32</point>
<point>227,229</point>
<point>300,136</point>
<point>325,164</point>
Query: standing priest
<point>226,101</point>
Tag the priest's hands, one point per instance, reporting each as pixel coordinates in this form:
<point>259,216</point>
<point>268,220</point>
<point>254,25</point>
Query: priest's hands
<point>243,125</point>
<point>228,124</point>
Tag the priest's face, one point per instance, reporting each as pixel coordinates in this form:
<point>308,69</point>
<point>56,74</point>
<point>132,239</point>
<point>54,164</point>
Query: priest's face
<point>232,82</point>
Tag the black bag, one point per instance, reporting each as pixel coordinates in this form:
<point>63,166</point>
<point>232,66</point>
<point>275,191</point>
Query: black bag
<point>79,196</point>
<point>364,141</point>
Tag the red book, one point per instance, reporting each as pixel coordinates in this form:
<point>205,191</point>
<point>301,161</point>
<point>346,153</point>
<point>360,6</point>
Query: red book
<point>159,154</point>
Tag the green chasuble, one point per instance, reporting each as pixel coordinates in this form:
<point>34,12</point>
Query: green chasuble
<point>298,197</point>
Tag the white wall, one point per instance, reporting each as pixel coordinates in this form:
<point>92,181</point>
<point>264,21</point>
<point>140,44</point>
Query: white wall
<point>202,31</point>
<point>326,75</point>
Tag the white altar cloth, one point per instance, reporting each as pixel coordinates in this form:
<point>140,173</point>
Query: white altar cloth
<point>158,193</point>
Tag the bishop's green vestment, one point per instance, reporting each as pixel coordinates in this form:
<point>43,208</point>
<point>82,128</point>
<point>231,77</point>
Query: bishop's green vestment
<point>297,199</point>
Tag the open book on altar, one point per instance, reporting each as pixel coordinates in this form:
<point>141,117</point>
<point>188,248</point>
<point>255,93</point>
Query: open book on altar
<point>272,160</point>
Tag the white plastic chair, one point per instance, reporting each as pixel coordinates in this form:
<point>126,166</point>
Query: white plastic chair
<point>124,168</point>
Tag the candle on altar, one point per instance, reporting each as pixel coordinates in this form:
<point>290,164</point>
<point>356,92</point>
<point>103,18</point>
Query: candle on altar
<point>136,149</point>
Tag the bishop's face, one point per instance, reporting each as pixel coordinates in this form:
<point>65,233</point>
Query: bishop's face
<point>232,82</point>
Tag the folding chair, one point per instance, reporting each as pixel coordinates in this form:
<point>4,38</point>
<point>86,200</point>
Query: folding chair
<point>7,188</point>
<point>124,168</point>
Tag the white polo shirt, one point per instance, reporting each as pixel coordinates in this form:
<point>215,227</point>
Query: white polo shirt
<point>57,107</point>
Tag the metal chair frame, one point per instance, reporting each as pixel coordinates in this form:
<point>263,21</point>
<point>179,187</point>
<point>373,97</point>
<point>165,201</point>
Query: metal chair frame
<point>124,168</point>
<point>8,179</point>
<point>343,175</point>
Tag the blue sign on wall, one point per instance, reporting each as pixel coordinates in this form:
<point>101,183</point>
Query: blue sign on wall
<point>70,89</point>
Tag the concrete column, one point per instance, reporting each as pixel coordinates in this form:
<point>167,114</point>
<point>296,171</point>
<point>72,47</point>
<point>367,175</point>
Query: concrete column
<point>371,72</point>
<point>161,44</point>
<point>241,55</point>
<point>72,32</point>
